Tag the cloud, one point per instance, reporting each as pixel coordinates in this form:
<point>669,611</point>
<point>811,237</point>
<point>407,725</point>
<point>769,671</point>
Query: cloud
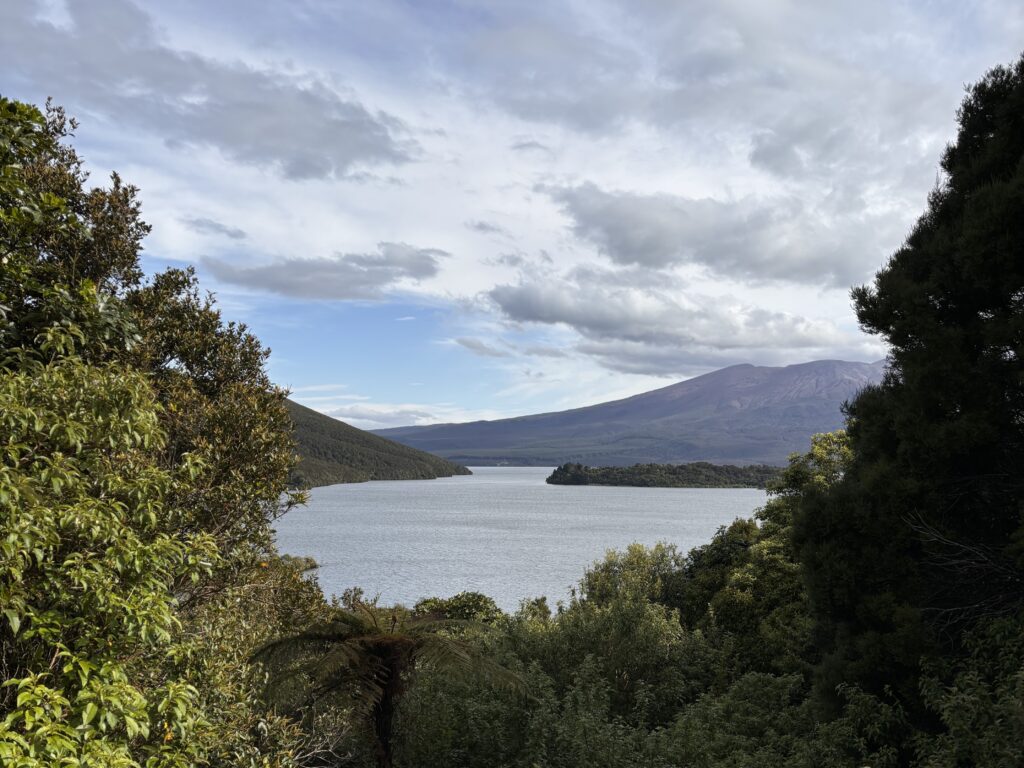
<point>752,239</point>
<point>545,63</point>
<point>638,329</point>
<point>384,415</point>
<point>325,400</point>
<point>480,348</point>
<point>726,70</point>
<point>211,227</point>
<point>487,228</point>
<point>542,351</point>
<point>344,277</point>
<point>529,145</point>
<point>381,416</point>
<point>631,314</point>
<point>508,260</point>
<point>110,58</point>
<point>645,359</point>
<point>319,388</point>
<point>767,153</point>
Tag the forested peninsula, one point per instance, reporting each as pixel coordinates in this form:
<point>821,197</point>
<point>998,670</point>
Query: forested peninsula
<point>698,474</point>
<point>871,613</point>
<point>331,451</point>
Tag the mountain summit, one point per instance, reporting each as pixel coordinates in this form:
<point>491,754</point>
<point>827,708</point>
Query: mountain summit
<point>742,414</point>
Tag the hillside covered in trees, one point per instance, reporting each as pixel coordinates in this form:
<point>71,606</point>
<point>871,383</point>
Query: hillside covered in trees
<point>331,451</point>
<point>871,613</point>
<point>699,474</point>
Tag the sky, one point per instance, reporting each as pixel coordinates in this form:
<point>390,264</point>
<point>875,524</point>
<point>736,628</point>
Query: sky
<point>444,211</point>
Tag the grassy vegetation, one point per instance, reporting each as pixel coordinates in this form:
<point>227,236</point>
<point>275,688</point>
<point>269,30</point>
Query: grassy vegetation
<point>699,474</point>
<point>331,452</point>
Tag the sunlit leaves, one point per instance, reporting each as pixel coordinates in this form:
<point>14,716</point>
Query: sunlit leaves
<point>88,564</point>
<point>144,454</point>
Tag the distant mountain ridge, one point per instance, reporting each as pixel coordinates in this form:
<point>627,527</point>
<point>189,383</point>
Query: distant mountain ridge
<point>331,451</point>
<point>743,414</point>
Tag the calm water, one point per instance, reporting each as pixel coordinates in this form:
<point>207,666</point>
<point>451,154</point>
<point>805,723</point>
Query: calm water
<point>502,531</point>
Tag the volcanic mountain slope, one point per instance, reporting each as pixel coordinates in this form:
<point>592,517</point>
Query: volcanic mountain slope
<point>331,451</point>
<point>743,414</point>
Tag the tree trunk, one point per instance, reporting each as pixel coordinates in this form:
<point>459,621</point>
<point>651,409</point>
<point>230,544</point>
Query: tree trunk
<point>384,721</point>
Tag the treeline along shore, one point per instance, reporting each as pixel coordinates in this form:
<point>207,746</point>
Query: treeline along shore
<point>698,474</point>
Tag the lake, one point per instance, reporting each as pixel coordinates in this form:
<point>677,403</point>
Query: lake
<point>501,531</point>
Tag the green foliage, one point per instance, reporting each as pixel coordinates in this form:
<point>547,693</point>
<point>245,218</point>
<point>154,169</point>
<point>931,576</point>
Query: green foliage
<point>331,451</point>
<point>979,699</point>
<point>760,721</point>
<point>301,563</point>
<point>363,657</point>
<point>465,606</point>
<point>90,560</point>
<point>700,474</point>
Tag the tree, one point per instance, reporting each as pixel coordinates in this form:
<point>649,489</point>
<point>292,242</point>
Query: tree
<point>366,657</point>
<point>938,446</point>
<point>90,557</point>
<point>154,385</point>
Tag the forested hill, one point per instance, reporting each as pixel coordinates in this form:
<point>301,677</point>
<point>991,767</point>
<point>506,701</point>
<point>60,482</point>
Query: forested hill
<point>699,474</point>
<point>332,451</point>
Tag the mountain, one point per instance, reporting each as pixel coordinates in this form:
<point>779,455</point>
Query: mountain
<point>743,414</point>
<point>332,451</point>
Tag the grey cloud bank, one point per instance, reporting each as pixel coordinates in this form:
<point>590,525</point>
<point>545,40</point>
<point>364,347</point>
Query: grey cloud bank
<point>294,124</point>
<point>780,238</point>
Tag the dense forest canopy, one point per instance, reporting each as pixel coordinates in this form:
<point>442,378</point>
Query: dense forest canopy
<point>872,613</point>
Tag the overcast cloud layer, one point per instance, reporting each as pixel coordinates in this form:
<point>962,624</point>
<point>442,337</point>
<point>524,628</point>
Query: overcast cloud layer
<point>562,202</point>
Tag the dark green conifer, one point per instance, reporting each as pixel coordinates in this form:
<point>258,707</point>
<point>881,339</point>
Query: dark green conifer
<point>924,536</point>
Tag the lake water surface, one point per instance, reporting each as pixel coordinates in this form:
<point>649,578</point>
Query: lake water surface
<point>501,531</point>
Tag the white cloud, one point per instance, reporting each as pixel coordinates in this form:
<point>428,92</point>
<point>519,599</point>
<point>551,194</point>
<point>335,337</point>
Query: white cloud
<point>381,415</point>
<point>344,277</point>
<point>608,191</point>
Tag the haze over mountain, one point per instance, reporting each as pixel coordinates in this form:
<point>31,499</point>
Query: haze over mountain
<point>741,414</point>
